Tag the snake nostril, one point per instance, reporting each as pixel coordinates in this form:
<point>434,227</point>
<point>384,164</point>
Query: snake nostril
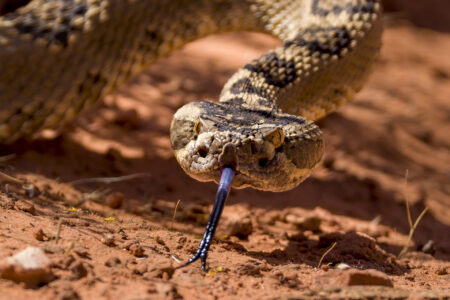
<point>202,151</point>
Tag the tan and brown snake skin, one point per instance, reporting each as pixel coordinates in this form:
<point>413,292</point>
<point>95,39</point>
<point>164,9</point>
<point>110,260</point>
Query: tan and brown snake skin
<point>60,56</point>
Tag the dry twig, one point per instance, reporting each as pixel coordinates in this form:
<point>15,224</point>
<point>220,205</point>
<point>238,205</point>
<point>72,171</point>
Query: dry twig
<point>108,180</point>
<point>325,254</point>
<point>58,230</point>
<point>412,227</point>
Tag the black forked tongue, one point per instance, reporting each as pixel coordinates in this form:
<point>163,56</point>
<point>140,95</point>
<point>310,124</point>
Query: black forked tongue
<point>219,203</point>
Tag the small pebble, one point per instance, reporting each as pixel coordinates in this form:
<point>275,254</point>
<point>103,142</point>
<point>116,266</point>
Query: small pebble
<point>39,235</point>
<point>442,271</point>
<point>109,240</point>
<point>352,277</point>
<point>429,248</point>
<point>52,248</point>
<point>159,240</point>
<point>342,266</point>
<point>126,245</point>
<point>30,266</point>
<point>115,200</point>
<point>325,267</point>
<point>136,250</point>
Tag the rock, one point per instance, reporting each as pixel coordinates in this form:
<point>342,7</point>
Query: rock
<point>136,250</point>
<point>115,200</point>
<point>342,266</point>
<point>30,266</point>
<point>429,248</point>
<point>108,240</point>
<point>159,240</point>
<point>39,235</point>
<point>442,271</point>
<point>325,267</point>
<point>52,248</point>
<point>126,245</point>
<point>367,277</point>
<point>339,278</point>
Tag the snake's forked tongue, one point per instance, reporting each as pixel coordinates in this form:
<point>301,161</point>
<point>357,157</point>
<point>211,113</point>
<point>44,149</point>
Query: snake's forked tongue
<point>221,196</point>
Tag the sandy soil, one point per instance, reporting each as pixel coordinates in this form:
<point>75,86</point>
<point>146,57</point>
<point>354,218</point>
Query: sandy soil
<point>122,240</point>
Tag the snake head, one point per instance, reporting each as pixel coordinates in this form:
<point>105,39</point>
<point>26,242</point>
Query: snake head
<point>269,150</point>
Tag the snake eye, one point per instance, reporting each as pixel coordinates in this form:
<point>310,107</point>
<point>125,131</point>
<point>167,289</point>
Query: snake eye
<point>197,127</point>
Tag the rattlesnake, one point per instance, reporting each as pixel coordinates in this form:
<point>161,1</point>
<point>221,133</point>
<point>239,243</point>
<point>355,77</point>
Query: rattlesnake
<point>60,56</point>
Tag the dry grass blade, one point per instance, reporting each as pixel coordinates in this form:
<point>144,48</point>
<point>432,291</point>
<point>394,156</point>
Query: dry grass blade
<point>175,213</point>
<point>108,180</point>
<point>58,231</point>
<point>94,196</point>
<point>325,254</point>
<point>6,177</point>
<point>26,185</point>
<point>411,232</point>
<point>412,227</point>
<point>175,210</point>
<point>408,212</point>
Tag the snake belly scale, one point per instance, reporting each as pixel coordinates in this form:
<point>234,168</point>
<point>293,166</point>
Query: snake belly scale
<point>60,56</point>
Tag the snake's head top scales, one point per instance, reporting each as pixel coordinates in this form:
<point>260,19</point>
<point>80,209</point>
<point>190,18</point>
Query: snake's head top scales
<point>269,150</point>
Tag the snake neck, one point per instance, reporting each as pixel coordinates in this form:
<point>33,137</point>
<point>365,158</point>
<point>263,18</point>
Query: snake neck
<point>328,52</point>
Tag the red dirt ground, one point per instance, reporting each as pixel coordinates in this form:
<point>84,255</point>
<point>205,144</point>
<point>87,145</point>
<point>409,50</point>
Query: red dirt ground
<point>268,244</point>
